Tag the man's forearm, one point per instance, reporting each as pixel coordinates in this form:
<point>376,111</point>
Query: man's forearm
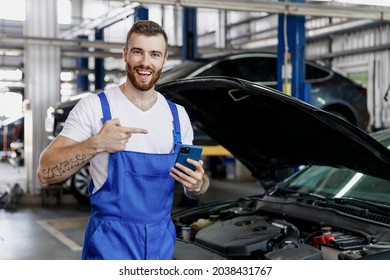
<point>60,171</point>
<point>58,162</point>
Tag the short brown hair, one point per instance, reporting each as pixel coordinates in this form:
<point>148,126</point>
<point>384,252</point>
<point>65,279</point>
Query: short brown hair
<point>147,28</point>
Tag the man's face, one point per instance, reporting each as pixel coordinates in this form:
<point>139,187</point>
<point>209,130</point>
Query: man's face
<point>145,58</point>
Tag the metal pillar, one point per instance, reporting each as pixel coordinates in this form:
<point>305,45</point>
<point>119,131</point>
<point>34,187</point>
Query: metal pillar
<point>42,82</point>
<point>141,13</point>
<point>291,56</point>
<point>291,63</point>
<point>190,46</point>
<point>220,33</point>
<point>82,64</point>
<point>99,64</point>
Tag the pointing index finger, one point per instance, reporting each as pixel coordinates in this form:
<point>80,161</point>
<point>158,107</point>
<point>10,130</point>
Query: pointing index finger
<point>134,130</point>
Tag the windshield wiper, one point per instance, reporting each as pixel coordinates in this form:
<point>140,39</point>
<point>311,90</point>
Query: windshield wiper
<point>288,192</point>
<point>365,205</point>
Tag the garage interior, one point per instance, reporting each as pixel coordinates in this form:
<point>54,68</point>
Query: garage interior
<point>53,50</point>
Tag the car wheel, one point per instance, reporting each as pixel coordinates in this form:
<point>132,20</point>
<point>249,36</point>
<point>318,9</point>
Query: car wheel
<point>80,184</point>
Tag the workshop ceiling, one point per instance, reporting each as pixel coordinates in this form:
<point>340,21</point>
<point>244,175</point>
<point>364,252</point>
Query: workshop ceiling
<point>71,47</point>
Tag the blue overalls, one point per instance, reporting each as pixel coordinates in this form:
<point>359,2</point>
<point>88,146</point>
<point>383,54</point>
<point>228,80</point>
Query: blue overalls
<point>130,216</point>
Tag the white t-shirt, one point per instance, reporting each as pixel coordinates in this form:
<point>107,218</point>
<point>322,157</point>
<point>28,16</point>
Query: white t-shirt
<point>84,121</point>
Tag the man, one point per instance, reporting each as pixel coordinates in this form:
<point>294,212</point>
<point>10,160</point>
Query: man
<point>131,135</point>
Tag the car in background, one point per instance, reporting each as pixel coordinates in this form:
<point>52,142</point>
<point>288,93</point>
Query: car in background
<point>335,207</point>
<point>329,91</point>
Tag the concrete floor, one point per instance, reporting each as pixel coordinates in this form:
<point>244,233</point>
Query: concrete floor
<point>30,231</point>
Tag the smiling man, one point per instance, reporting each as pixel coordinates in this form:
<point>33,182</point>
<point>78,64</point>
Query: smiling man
<point>131,136</point>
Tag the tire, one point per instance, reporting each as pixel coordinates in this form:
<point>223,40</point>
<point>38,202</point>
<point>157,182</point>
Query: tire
<point>80,184</point>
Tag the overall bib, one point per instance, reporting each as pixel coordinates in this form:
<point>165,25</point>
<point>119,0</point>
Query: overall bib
<point>130,217</point>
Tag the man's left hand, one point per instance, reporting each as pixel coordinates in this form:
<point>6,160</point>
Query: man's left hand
<point>194,181</point>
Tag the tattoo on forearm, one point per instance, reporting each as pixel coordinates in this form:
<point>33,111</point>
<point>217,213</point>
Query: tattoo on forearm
<point>64,167</point>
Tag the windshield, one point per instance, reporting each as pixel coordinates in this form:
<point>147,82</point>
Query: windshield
<point>333,182</point>
<point>180,71</point>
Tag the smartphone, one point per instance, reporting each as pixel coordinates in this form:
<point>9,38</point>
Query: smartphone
<point>189,151</point>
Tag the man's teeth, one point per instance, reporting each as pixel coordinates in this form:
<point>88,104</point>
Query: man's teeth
<point>144,72</point>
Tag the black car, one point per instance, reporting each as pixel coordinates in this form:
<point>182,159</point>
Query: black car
<point>335,207</point>
<point>330,91</point>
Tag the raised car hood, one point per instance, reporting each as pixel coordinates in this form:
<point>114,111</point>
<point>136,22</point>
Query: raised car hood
<point>267,130</point>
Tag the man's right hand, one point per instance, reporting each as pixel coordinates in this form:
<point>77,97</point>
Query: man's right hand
<point>113,137</point>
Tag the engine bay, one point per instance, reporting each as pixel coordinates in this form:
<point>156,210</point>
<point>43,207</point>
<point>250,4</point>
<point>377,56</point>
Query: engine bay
<point>244,231</point>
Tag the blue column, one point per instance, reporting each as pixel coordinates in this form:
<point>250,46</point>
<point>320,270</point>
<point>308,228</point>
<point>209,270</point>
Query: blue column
<point>141,13</point>
<point>190,43</point>
<point>291,31</point>
<point>82,64</point>
<point>99,64</point>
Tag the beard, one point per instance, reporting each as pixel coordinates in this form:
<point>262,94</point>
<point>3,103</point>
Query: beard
<point>142,86</point>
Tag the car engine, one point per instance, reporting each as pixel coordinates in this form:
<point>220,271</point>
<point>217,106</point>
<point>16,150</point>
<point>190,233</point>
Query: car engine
<point>238,233</point>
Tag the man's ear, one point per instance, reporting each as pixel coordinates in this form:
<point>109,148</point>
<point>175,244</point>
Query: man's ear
<point>165,59</point>
<point>124,54</point>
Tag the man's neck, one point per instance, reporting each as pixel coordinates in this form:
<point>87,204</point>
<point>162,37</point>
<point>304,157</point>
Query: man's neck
<point>144,100</point>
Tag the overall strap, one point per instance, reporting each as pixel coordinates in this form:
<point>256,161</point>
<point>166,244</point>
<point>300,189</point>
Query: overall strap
<point>176,125</point>
<point>105,107</point>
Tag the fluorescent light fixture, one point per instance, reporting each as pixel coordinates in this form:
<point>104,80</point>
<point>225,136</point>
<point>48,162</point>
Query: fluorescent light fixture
<point>11,75</point>
<point>361,2</point>
<point>67,76</point>
<point>366,2</point>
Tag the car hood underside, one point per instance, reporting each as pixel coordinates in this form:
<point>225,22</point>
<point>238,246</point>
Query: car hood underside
<point>267,130</point>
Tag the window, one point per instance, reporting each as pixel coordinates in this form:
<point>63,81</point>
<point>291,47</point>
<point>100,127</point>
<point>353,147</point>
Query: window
<point>315,73</point>
<point>255,69</point>
<point>13,10</point>
<point>64,11</point>
<point>16,10</point>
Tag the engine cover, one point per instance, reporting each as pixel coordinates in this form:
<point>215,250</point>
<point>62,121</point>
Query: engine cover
<point>238,236</point>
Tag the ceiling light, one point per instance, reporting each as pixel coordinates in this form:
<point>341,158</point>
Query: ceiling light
<point>361,2</point>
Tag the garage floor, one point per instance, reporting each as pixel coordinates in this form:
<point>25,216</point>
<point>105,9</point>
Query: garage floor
<point>55,232</point>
